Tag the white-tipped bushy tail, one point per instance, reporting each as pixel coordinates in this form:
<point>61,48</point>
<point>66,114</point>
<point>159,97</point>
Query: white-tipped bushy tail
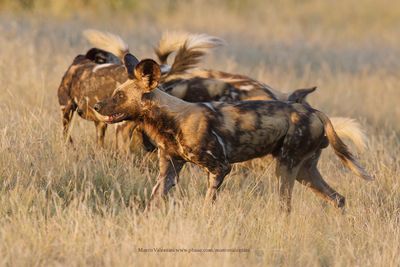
<point>341,149</point>
<point>169,43</point>
<point>173,41</point>
<point>191,53</point>
<point>347,128</point>
<point>203,42</point>
<point>107,41</point>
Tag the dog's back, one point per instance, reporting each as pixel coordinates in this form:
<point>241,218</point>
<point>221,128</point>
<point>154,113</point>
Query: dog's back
<point>252,129</point>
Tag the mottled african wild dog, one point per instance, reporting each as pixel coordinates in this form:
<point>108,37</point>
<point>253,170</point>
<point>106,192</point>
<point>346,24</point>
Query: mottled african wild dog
<point>183,80</point>
<point>214,135</point>
<point>85,82</point>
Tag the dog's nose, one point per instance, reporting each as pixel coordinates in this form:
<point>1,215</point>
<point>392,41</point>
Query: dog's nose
<point>97,107</point>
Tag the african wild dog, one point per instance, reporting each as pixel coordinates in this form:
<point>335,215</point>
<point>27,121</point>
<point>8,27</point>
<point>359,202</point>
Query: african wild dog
<point>182,79</point>
<point>87,81</point>
<point>214,135</point>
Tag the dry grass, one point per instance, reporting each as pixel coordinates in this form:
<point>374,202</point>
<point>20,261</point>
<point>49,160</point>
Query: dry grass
<point>74,207</point>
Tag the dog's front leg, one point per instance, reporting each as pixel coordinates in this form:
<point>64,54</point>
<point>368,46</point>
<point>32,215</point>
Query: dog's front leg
<point>101,128</point>
<point>169,171</point>
<point>124,136</point>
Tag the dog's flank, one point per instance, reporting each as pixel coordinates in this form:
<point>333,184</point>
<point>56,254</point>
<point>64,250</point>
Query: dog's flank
<point>216,135</point>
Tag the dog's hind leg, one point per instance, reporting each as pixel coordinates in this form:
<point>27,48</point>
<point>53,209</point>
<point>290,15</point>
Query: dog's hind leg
<point>310,176</point>
<point>286,175</point>
<point>100,132</point>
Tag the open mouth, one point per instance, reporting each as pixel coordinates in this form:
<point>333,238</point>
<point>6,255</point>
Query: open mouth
<point>117,117</point>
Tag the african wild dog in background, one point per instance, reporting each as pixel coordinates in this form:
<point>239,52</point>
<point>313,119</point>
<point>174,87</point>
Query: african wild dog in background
<point>86,81</point>
<point>214,135</point>
<point>183,80</point>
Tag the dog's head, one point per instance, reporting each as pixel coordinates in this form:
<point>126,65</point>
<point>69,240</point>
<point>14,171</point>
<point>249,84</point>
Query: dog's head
<point>126,100</point>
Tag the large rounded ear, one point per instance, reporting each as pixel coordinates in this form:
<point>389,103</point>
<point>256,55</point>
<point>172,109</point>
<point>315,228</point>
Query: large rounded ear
<point>148,71</point>
<point>130,62</point>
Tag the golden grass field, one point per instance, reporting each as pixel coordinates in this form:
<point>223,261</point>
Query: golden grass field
<point>73,207</point>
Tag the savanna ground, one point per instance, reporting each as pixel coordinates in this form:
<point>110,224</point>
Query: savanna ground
<point>71,207</point>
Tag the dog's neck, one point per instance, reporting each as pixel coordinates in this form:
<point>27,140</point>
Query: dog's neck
<point>160,99</point>
<point>161,115</point>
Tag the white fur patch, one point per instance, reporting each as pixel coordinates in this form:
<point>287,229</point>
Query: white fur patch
<point>172,41</point>
<point>347,128</point>
<point>165,68</point>
<point>221,142</point>
<point>247,87</point>
<point>203,41</point>
<point>212,155</point>
<point>210,106</point>
<point>107,41</point>
<point>101,66</point>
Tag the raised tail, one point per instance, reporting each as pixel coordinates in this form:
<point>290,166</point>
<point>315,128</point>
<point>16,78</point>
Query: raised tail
<point>114,44</point>
<point>341,149</point>
<point>190,49</point>
<point>107,41</point>
<point>170,42</point>
<point>348,128</point>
